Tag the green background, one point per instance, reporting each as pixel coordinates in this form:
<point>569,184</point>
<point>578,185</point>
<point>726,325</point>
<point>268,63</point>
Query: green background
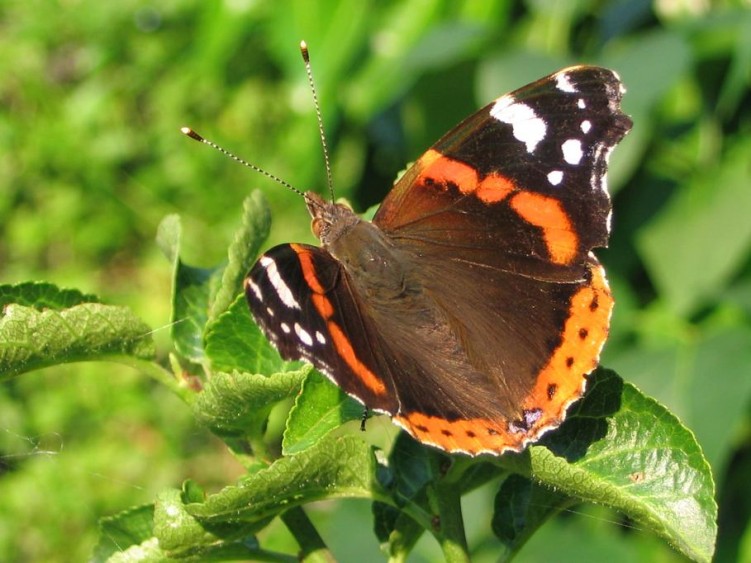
<point>92,96</point>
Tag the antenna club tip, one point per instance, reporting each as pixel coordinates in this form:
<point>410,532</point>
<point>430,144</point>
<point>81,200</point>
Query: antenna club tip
<point>190,133</point>
<point>304,51</point>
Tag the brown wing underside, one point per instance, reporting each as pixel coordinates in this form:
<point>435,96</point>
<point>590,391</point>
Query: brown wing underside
<point>483,350</point>
<point>499,220</point>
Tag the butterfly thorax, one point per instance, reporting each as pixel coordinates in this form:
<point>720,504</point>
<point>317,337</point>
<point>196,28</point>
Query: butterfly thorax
<point>364,251</point>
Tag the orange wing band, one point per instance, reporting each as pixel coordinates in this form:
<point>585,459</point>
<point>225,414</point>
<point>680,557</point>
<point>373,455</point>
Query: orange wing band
<point>326,310</point>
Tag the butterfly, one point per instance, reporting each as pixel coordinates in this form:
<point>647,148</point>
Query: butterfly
<point>472,308</point>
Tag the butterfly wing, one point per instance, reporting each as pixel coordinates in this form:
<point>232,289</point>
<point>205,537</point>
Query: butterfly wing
<point>501,215</point>
<point>524,176</point>
<point>301,298</point>
<point>501,308</point>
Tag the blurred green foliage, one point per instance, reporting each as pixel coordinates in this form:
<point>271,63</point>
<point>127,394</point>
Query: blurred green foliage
<point>93,94</point>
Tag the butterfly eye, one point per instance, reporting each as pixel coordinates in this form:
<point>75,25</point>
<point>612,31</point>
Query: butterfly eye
<point>319,227</point>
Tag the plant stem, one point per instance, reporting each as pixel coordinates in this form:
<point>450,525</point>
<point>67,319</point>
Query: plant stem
<point>450,529</point>
<point>312,547</point>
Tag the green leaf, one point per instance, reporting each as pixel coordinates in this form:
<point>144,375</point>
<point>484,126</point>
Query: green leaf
<point>683,372</point>
<point>31,339</point>
<point>396,530</point>
<point>320,408</point>
<point>427,484</point>
<point>256,222</point>
<point>341,467</point>
<point>234,404</point>
<point>117,533</point>
<point>147,552</point>
<point>166,531</point>
<point>624,450</point>
<point>190,293</point>
<point>521,507</point>
<point>201,294</point>
<point>414,466</point>
<point>43,295</point>
<point>174,527</point>
<point>679,247</point>
<point>181,536</point>
<point>234,342</point>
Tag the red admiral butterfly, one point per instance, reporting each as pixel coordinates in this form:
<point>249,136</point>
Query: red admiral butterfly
<point>471,309</point>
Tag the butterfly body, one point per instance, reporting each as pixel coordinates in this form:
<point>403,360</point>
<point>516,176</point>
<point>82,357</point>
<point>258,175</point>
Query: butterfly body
<point>471,308</point>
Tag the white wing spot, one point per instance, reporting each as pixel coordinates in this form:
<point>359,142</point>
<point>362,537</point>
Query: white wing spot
<point>270,311</point>
<point>320,337</point>
<point>255,289</point>
<point>285,328</point>
<point>303,335</point>
<point>527,126</point>
<point>581,103</point>
<point>572,151</point>
<point>282,289</point>
<point>563,83</point>
<point>599,181</point>
<point>586,126</point>
<point>555,177</point>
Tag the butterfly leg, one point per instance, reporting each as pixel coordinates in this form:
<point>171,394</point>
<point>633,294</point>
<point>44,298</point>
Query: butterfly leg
<point>365,416</point>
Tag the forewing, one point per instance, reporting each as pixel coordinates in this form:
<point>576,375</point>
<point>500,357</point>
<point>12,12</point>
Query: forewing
<point>524,177</point>
<point>301,298</point>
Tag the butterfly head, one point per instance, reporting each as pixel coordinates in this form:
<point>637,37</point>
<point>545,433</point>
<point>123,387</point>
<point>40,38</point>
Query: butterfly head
<point>330,220</point>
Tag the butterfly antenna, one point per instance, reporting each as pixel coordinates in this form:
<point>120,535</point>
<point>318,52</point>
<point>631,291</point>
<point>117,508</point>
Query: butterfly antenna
<point>311,82</point>
<point>195,136</point>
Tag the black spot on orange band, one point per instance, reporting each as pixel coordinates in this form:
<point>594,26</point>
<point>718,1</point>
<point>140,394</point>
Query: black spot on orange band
<point>576,355</point>
<point>439,170</point>
<point>537,209</point>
